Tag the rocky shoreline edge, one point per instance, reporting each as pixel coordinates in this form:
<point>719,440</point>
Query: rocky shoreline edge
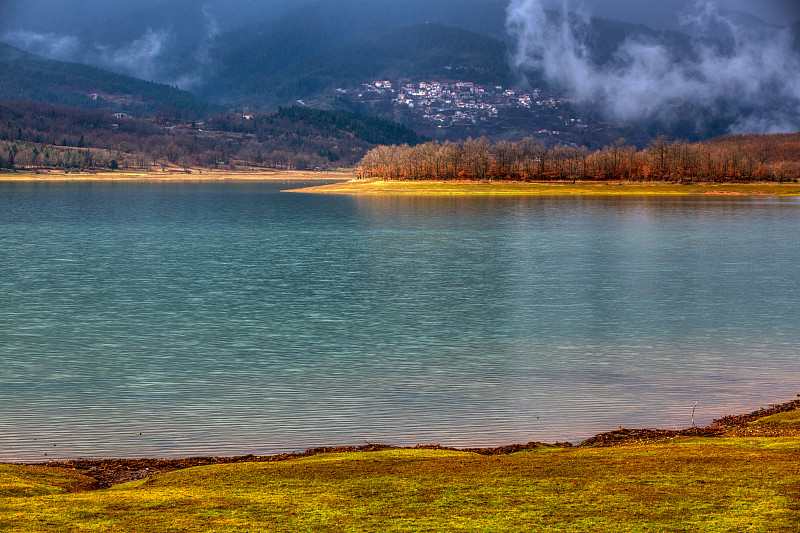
<point>108,472</point>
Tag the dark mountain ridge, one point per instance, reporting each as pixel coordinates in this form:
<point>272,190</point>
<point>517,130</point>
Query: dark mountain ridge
<point>416,52</point>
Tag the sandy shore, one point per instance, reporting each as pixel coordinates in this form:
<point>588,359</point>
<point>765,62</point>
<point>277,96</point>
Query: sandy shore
<point>435,188</point>
<point>176,175</point>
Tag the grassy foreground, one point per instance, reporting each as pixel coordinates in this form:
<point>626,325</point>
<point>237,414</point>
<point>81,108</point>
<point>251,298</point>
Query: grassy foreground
<point>378,187</point>
<point>686,484</point>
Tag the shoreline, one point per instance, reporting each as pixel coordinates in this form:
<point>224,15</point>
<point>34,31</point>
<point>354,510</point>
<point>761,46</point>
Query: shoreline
<point>109,472</point>
<point>192,175</point>
<point>347,184</point>
<point>374,187</point>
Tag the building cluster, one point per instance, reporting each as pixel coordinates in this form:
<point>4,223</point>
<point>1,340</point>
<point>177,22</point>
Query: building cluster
<point>457,103</point>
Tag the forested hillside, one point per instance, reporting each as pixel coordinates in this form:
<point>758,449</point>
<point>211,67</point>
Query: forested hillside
<point>34,135</point>
<point>417,52</point>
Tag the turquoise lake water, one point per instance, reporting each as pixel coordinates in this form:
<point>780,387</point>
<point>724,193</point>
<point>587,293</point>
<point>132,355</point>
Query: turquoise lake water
<point>168,320</point>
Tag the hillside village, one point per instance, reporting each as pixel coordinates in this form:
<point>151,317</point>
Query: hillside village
<point>464,103</point>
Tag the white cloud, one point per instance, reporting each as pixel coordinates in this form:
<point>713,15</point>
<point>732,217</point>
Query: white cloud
<point>137,58</point>
<point>755,71</point>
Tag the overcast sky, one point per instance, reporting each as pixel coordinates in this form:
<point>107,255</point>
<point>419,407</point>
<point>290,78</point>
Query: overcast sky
<point>52,14</point>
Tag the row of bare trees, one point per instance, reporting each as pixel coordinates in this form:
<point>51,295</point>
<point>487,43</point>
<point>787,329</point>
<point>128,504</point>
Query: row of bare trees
<point>22,155</point>
<point>527,160</point>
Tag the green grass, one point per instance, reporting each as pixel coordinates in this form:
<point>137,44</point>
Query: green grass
<point>785,420</point>
<point>685,485</point>
<point>377,187</point>
<point>39,481</point>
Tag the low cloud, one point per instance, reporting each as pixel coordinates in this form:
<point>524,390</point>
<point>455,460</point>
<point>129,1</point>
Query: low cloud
<point>62,47</point>
<point>138,58</point>
<point>156,55</point>
<point>746,76</point>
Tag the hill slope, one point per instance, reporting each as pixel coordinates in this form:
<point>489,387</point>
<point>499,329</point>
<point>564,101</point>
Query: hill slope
<point>34,135</point>
<point>31,77</point>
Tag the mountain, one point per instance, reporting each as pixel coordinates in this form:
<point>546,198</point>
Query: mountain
<point>170,43</point>
<point>603,38</point>
<point>111,25</point>
<point>251,61</point>
<point>417,52</point>
<point>258,55</point>
<point>31,77</point>
<point>188,22</point>
<point>339,43</point>
<point>181,42</point>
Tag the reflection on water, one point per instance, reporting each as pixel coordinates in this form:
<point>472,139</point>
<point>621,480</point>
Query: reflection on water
<point>183,319</point>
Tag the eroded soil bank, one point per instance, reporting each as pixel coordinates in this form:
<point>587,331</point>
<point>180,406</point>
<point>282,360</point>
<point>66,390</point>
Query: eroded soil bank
<point>759,423</point>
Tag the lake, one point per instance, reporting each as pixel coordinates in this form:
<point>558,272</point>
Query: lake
<point>179,319</point>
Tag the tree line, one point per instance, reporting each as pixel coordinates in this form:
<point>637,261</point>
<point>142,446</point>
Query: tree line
<point>23,155</point>
<point>731,158</point>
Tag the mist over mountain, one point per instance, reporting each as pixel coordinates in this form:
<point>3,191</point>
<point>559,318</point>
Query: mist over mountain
<point>25,76</point>
<point>175,41</point>
<point>702,67</point>
<point>735,71</point>
<point>167,41</point>
<point>667,14</point>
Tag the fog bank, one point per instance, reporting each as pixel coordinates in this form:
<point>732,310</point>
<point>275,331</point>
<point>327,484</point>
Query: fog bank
<point>748,74</point>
